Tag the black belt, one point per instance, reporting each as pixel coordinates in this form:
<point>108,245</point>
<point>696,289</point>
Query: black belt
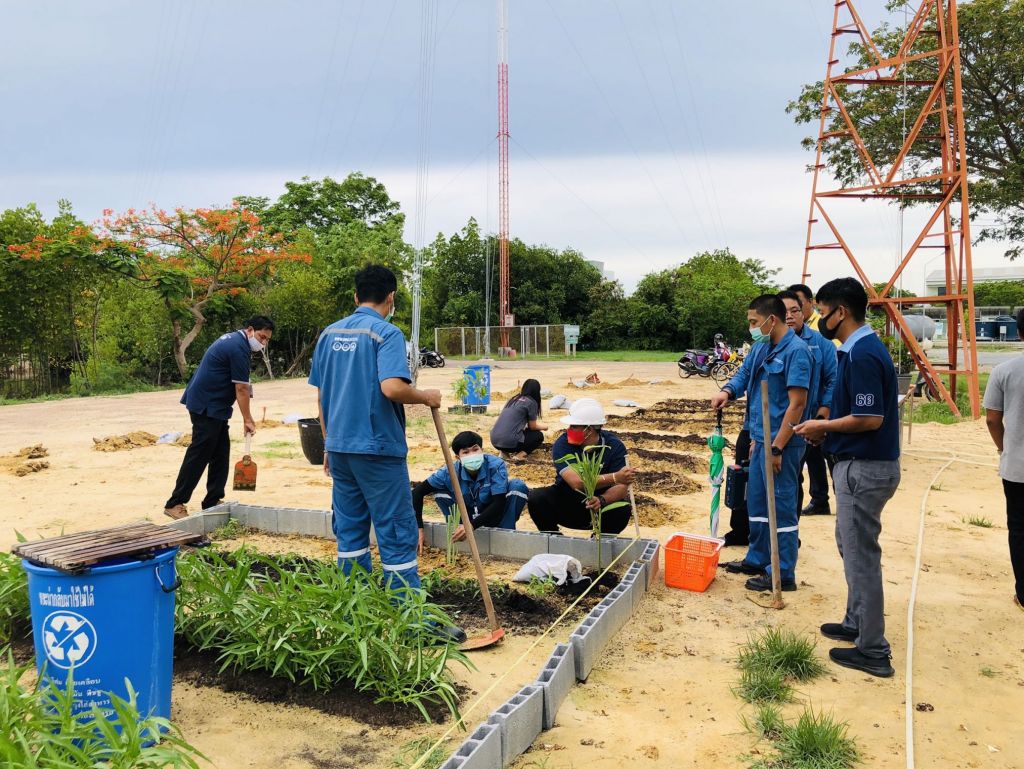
<point>837,458</point>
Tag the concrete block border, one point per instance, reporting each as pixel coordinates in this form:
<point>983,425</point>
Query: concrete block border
<point>521,720</point>
<point>556,678</point>
<point>481,750</point>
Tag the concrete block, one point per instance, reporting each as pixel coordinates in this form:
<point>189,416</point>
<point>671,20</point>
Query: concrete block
<point>309,523</point>
<point>434,534</point>
<point>636,577</point>
<point>328,530</point>
<point>213,520</point>
<point>556,678</point>
<point>521,720</point>
<point>256,517</point>
<point>618,609</point>
<point>651,557</point>
<point>481,750</point>
<point>582,549</point>
<point>483,541</point>
<point>193,524</point>
<point>518,545</point>
<point>631,550</point>
<point>223,507</point>
<point>588,641</point>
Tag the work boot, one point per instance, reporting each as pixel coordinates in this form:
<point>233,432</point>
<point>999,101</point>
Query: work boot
<point>855,660</point>
<point>177,512</point>
<point>814,508</point>
<point>733,539</point>
<point>837,632</point>
<point>742,567</point>
<point>763,584</point>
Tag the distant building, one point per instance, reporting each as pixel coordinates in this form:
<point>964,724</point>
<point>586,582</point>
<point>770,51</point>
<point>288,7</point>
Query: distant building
<point>935,281</point>
<point>606,274</point>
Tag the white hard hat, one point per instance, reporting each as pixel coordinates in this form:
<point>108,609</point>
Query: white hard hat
<point>585,411</point>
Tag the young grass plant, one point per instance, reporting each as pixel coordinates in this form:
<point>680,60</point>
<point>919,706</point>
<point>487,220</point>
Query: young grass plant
<point>451,523</point>
<point>305,621</point>
<point>767,722</point>
<point>39,729</point>
<point>588,467</point>
<point>980,521</point>
<point>816,741</point>
<point>14,608</point>
<point>781,650</point>
<point>764,685</point>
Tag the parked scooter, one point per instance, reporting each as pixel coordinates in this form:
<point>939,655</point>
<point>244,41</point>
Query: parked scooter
<point>431,358</point>
<point>719,364</point>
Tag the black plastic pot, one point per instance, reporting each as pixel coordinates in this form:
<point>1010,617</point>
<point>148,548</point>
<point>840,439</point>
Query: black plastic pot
<point>312,439</point>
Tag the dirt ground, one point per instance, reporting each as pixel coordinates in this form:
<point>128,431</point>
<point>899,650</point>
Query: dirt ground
<point>662,696</point>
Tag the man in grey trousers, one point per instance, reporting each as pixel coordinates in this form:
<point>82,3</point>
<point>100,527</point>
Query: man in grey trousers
<point>862,438</point>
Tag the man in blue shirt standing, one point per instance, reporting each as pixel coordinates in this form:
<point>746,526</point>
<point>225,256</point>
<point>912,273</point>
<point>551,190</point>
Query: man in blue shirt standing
<point>362,378</point>
<point>819,396</point>
<point>862,437</point>
<point>222,378</point>
<point>779,356</point>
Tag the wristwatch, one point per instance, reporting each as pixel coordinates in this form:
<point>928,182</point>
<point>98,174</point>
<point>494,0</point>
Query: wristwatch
<point>601,500</point>
<point>776,451</point>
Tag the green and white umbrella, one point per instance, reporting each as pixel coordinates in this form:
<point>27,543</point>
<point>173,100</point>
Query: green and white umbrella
<point>716,472</point>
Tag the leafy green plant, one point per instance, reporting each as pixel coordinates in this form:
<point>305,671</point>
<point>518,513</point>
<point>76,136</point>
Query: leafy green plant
<point>451,523</point>
<point>467,384</point>
<point>767,722</point>
<point>781,650</point>
<point>977,520</point>
<point>760,685</point>
<point>233,529</point>
<point>815,741</point>
<point>14,607</point>
<point>539,587</point>
<point>304,620</point>
<point>39,729</point>
<point>411,751</point>
<point>588,467</point>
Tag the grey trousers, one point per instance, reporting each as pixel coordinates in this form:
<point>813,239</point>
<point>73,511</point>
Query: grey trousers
<point>862,487</point>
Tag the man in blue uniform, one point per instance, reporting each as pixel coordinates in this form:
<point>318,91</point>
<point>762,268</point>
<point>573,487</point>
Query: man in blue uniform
<point>221,379</point>
<point>492,498</point>
<point>862,437</point>
<point>819,396</point>
<point>362,377</point>
<point>782,358</point>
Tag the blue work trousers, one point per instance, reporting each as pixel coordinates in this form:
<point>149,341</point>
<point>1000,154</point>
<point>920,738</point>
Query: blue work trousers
<point>515,501</point>
<point>760,553</point>
<point>370,488</point>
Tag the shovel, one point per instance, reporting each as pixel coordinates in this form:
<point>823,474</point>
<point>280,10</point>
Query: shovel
<point>497,633</point>
<point>245,469</point>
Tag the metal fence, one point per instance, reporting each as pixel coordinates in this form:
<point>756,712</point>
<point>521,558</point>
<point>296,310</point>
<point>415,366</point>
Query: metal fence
<point>481,341</point>
<point>32,376</point>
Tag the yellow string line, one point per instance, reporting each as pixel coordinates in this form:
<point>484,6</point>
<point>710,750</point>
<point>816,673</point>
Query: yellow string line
<point>522,657</point>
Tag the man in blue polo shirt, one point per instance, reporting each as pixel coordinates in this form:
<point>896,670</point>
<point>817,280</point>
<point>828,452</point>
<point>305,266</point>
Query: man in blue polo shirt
<point>221,379</point>
<point>782,358</point>
<point>362,378</point>
<point>862,437</point>
<point>492,498</point>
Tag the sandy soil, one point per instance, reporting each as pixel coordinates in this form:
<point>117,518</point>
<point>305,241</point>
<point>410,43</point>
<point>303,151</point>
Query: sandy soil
<point>662,696</point>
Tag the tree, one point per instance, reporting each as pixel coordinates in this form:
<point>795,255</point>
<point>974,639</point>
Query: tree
<point>992,58</point>
<point>1003,294</point>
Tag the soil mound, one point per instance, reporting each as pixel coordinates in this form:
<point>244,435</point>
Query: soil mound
<point>25,461</point>
<point>125,442</point>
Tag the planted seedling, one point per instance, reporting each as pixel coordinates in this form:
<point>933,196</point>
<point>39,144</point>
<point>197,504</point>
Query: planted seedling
<point>588,467</point>
<point>980,521</point>
<point>451,523</point>
<point>816,740</point>
<point>467,384</point>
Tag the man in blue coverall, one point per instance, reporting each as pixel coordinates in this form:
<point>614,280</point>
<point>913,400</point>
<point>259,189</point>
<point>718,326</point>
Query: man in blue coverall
<point>823,381</point>
<point>492,498</point>
<point>782,358</point>
<point>362,378</point>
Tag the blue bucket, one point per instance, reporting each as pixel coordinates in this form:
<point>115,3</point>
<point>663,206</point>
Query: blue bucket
<point>112,623</point>
<point>478,375</point>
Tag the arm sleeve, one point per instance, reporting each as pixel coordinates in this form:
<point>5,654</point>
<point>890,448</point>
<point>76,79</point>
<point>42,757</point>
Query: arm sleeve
<point>316,367</point>
<point>492,512</point>
<point>798,372</point>
<point>741,379</point>
<point>994,392</point>
<point>499,478</point>
<point>239,362</point>
<point>532,410</point>
<point>391,360</point>
<point>867,376</point>
<point>614,458</point>
<point>421,492</point>
<point>829,368</point>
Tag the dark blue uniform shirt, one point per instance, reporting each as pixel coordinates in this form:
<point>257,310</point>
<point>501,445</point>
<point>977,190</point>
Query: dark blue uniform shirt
<point>211,391</point>
<point>491,479</point>
<point>614,454</point>
<point>866,386</point>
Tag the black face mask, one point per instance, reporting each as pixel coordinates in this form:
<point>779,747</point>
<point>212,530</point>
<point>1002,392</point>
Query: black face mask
<point>824,330</point>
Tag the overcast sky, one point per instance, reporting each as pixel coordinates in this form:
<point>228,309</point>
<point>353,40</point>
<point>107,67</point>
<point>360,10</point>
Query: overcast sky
<point>643,131</point>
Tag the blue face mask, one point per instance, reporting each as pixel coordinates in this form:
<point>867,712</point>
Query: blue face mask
<point>758,335</point>
<point>473,462</point>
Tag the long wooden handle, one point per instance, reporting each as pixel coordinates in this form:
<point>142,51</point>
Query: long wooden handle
<point>466,521</point>
<point>769,477</point>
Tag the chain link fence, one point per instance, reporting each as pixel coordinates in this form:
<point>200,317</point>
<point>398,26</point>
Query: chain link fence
<point>482,341</point>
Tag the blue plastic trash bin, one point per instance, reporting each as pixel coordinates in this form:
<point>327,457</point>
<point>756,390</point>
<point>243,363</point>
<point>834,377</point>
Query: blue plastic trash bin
<point>478,375</point>
<point>113,622</point>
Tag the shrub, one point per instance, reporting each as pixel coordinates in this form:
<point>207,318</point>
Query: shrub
<point>14,608</point>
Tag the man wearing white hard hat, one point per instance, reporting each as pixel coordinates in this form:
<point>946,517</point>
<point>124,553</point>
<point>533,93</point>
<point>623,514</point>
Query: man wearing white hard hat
<point>563,504</point>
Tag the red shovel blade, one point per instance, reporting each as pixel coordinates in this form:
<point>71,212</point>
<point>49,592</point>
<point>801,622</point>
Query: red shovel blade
<point>483,641</point>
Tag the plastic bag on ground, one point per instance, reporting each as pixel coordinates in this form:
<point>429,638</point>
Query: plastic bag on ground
<point>627,404</point>
<point>168,437</point>
<point>292,419</point>
<point>559,402</point>
<point>551,565</point>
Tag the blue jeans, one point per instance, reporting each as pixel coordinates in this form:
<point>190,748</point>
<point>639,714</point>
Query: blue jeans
<point>515,501</point>
<point>375,488</point>
<point>760,553</point>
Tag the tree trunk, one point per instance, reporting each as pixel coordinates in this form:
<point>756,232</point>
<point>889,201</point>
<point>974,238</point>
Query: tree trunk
<point>179,352</point>
<point>296,364</point>
<point>181,343</point>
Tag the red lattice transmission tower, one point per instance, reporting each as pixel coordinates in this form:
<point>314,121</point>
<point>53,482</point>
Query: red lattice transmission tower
<point>505,318</point>
<point>929,168</point>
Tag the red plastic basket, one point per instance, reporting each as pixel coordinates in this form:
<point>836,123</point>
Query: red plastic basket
<point>691,561</point>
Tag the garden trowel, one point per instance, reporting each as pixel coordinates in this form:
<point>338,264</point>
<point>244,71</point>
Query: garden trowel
<point>497,633</point>
<point>245,469</point>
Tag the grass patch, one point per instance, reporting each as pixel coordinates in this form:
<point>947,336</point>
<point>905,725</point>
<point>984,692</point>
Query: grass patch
<point>925,411</point>
<point>980,521</point>
<point>14,609</point>
<point>782,650</point>
<point>767,722</point>
<point>764,686</point>
<point>233,529</point>
<point>815,741</point>
<point>410,752</point>
<point>989,672</point>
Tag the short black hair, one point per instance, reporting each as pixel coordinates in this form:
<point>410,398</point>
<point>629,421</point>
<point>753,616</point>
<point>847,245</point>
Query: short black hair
<point>374,282</point>
<point>465,440</point>
<point>769,304</point>
<point>848,292</point>
<point>788,294</point>
<point>259,323</point>
<point>800,288</point>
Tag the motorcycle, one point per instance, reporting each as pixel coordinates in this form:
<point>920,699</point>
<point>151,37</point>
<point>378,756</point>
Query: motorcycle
<point>431,358</point>
<point>719,364</point>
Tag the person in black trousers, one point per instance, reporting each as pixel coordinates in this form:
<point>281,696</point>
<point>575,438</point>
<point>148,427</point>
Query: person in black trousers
<point>221,379</point>
<point>518,430</point>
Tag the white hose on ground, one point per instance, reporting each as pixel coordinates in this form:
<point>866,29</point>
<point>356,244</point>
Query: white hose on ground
<point>909,718</point>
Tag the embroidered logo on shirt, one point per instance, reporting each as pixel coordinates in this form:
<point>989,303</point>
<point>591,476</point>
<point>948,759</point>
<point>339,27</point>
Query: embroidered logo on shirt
<point>345,344</point>
<point>863,399</point>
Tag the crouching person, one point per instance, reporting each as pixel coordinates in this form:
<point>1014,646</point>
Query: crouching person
<point>562,504</point>
<point>492,498</point>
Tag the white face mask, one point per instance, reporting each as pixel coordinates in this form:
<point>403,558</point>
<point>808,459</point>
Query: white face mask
<point>254,344</point>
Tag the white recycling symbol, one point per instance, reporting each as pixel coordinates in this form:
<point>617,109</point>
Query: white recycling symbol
<point>68,639</point>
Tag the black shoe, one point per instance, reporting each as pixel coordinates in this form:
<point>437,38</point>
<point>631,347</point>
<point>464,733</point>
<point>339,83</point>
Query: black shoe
<point>837,632</point>
<point>852,658</point>
<point>814,509</point>
<point>732,539</point>
<point>741,567</point>
<point>763,584</point>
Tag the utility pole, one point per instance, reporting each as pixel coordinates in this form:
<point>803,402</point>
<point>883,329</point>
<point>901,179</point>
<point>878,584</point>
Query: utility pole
<point>505,317</point>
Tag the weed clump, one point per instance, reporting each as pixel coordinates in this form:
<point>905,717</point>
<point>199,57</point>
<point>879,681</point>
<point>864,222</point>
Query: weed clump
<point>781,651</point>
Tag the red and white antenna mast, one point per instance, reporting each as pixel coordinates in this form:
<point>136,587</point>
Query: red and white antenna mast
<point>505,317</point>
